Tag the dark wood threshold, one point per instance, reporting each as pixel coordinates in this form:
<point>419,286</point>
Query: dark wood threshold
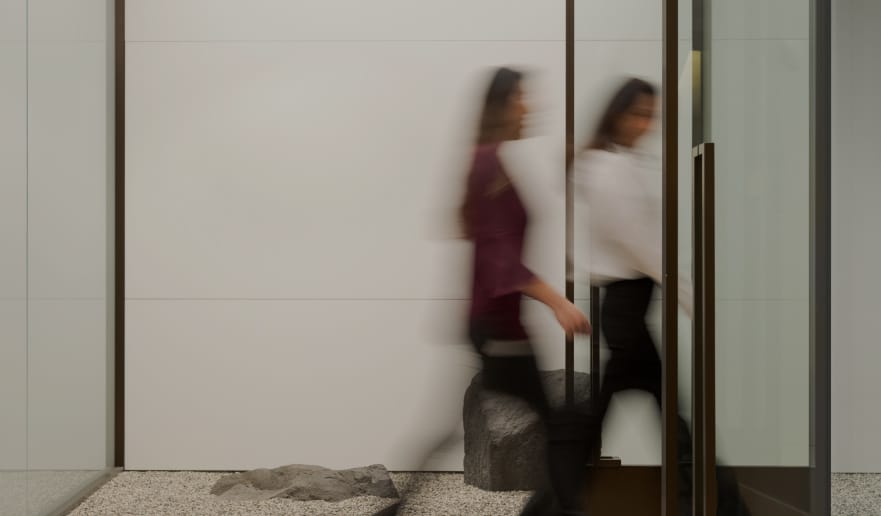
<point>630,490</point>
<point>636,490</point>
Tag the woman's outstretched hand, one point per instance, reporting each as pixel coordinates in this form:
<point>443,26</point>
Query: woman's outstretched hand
<point>571,319</point>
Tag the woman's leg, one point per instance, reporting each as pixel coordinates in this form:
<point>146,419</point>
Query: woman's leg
<point>633,361</point>
<point>517,374</point>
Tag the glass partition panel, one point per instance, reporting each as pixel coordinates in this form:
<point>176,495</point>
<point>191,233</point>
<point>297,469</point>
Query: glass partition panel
<point>56,251</point>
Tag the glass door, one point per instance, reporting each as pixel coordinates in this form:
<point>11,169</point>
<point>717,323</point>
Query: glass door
<point>741,151</point>
<point>750,219</point>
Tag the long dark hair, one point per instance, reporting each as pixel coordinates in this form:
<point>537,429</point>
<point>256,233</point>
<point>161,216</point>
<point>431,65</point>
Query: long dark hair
<point>605,133</point>
<point>492,127</point>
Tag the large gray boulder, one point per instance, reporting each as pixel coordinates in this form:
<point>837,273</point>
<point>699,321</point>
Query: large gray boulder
<point>504,438</point>
<point>303,482</point>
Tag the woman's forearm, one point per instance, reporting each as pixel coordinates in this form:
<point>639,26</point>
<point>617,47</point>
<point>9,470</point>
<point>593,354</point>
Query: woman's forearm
<point>541,291</point>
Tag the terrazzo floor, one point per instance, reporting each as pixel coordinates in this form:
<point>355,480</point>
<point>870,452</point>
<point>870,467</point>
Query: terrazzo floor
<point>188,493</point>
<point>857,494</point>
<point>441,494</point>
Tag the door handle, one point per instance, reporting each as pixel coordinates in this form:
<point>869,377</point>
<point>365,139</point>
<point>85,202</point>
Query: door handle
<point>704,330</point>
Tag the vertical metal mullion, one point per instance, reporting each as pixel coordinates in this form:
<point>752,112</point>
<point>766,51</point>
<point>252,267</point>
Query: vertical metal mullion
<point>570,154</point>
<point>820,256</point>
<point>670,283</point>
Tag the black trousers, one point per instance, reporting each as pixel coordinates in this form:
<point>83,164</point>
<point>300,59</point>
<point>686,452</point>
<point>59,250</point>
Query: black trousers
<point>515,373</point>
<point>574,431</point>
<point>634,363</point>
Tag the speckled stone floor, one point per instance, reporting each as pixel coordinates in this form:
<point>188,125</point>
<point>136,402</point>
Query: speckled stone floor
<point>856,494</point>
<point>187,493</point>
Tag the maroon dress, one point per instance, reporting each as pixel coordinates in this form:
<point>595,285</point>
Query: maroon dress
<point>498,223</point>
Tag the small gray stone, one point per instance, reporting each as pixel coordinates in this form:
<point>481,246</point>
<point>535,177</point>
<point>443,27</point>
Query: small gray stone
<point>373,480</point>
<point>306,482</point>
<point>504,438</point>
<point>266,480</point>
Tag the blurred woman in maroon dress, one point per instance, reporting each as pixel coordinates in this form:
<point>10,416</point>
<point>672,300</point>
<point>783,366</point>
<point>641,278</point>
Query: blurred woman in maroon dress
<point>495,220</point>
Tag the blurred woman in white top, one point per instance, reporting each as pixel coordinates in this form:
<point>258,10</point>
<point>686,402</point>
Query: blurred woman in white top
<point>618,198</point>
<point>618,192</point>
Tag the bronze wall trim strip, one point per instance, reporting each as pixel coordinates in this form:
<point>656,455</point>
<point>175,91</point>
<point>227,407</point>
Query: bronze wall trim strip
<point>119,235</point>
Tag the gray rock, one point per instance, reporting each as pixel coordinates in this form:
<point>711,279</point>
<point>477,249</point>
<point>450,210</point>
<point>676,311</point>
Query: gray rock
<point>504,437</point>
<point>304,482</point>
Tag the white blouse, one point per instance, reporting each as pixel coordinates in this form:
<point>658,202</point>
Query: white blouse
<point>618,200</point>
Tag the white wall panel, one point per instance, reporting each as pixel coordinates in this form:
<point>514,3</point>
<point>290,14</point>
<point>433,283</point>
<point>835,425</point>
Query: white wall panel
<point>242,384</point>
<point>67,384</point>
<point>12,15</point>
<point>344,20</point>
<point>622,20</point>
<point>13,384</point>
<point>626,20</point>
<point>67,170</point>
<point>68,20</point>
<point>258,170</point>
<point>13,241</point>
<point>13,180</point>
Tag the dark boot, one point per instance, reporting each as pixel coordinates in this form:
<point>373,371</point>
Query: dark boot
<point>730,501</point>
<point>568,431</point>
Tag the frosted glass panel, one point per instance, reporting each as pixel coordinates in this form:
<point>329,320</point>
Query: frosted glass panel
<point>13,257</point>
<point>759,121</point>
<point>55,221</point>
